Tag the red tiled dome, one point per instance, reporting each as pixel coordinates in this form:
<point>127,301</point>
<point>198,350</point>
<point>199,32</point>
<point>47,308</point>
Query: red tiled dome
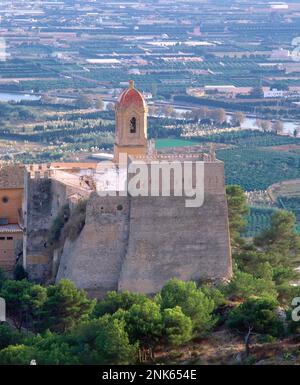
<point>131,96</point>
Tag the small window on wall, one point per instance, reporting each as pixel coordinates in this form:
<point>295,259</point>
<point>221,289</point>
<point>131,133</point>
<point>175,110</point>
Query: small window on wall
<point>9,238</point>
<point>2,238</point>
<point>132,127</point>
<point>5,199</point>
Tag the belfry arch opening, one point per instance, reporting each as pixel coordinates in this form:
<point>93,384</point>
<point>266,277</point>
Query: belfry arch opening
<point>132,125</point>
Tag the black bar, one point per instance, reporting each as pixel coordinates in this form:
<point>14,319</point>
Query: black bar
<point>145,374</point>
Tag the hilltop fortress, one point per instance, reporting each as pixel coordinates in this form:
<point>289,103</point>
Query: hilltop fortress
<point>122,241</point>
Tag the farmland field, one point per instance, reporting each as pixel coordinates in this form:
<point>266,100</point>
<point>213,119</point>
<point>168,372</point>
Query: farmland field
<point>289,188</point>
<point>257,169</point>
<point>254,160</point>
<point>164,143</point>
<point>258,220</point>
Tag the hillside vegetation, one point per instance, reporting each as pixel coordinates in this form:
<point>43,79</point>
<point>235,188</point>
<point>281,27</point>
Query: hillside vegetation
<point>59,324</point>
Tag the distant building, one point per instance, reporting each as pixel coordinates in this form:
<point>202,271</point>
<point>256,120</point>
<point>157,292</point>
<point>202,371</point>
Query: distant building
<point>196,92</point>
<point>227,90</point>
<point>134,71</point>
<point>220,88</point>
<point>274,93</point>
<point>279,5</point>
<point>103,61</point>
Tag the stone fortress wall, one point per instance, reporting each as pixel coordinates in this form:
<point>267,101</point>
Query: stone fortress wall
<point>128,243</point>
<point>139,243</point>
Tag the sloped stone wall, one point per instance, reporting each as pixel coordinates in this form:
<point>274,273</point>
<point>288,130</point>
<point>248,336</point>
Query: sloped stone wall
<point>168,239</point>
<point>94,260</point>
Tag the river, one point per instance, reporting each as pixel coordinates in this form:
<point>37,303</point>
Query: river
<point>249,123</point>
<point>288,126</point>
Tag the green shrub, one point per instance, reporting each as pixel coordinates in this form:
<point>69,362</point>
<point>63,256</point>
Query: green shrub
<point>76,222</point>
<point>214,293</point>
<point>266,339</point>
<point>102,341</point>
<point>244,285</point>
<point>17,355</point>
<point>114,301</point>
<point>281,238</point>
<point>2,278</point>
<point>143,322</point>
<point>178,327</point>
<point>283,274</point>
<point>260,314</point>
<point>23,300</point>
<point>9,336</point>
<point>193,302</point>
<point>57,225</point>
<point>64,307</point>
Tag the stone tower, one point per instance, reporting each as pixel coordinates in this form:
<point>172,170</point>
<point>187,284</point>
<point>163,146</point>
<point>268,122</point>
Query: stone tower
<point>131,123</point>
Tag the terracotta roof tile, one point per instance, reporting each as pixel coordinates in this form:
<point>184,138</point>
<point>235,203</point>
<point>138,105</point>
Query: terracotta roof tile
<point>131,96</point>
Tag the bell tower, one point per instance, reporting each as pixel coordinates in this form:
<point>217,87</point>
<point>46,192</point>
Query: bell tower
<point>131,123</point>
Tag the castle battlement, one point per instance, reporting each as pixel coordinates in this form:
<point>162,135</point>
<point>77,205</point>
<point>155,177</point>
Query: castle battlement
<point>201,157</point>
<point>39,171</point>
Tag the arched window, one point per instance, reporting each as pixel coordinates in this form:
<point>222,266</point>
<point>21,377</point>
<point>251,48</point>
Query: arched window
<point>132,127</point>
